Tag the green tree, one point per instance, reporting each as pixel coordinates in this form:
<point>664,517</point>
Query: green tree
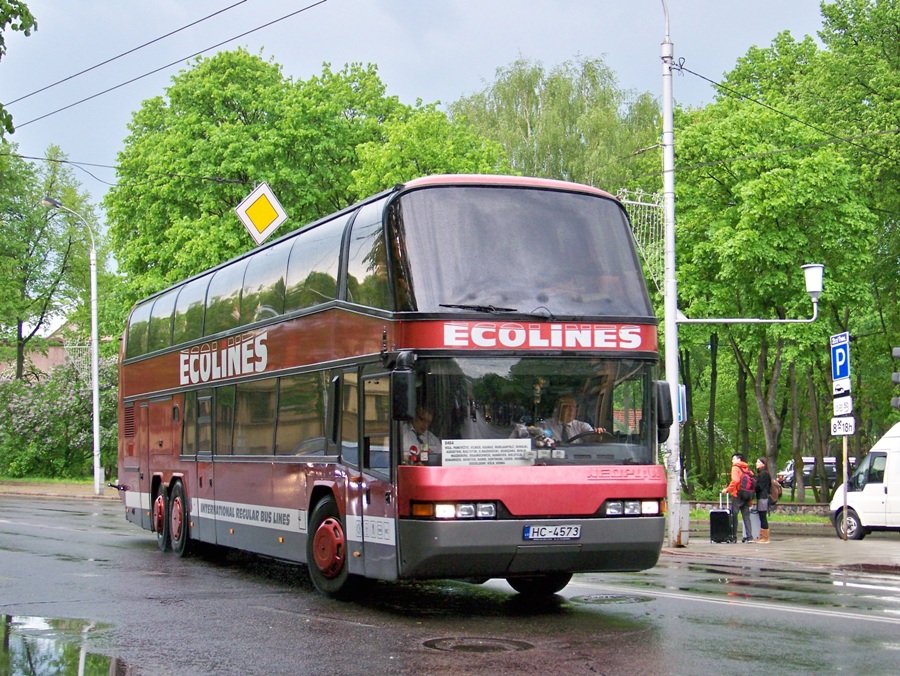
<point>766,196</point>
<point>43,255</point>
<point>856,95</point>
<point>571,123</point>
<point>15,15</point>
<point>46,427</point>
<point>422,143</point>
<point>233,121</point>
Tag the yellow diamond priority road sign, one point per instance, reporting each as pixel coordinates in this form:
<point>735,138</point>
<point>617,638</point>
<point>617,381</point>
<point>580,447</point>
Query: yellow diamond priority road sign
<point>261,213</point>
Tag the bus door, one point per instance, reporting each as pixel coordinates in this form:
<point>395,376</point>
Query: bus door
<point>138,498</point>
<point>197,446</point>
<point>372,516</point>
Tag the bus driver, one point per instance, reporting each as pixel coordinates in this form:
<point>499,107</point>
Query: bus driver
<point>420,445</point>
<point>563,426</point>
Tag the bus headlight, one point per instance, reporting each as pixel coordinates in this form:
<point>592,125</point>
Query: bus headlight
<point>454,510</point>
<point>632,508</point>
<point>650,507</point>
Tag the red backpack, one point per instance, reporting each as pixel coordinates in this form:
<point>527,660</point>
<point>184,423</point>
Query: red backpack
<point>747,486</point>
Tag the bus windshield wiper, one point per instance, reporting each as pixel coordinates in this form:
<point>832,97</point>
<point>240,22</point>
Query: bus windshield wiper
<point>480,308</point>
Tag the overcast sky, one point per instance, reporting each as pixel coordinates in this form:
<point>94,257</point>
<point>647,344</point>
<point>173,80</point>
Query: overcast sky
<point>433,50</point>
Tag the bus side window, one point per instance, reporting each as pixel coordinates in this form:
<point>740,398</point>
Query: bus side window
<point>224,419</point>
<point>204,421</point>
<point>301,415</point>
<point>254,417</point>
<point>263,294</point>
<point>367,276</point>
<point>350,418</point>
<point>313,266</point>
<point>160,333</point>
<point>189,308</point>
<point>189,429</point>
<point>223,299</point>
<point>377,423</point>
<point>138,326</point>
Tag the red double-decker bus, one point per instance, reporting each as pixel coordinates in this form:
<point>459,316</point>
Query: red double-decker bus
<point>455,378</point>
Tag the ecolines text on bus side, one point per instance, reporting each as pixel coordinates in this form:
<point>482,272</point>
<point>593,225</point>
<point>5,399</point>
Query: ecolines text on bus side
<point>241,355</point>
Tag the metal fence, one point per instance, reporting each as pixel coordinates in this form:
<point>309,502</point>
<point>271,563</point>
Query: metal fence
<point>647,223</point>
<point>80,357</point>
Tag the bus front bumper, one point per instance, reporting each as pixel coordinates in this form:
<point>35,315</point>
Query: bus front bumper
<point>472,549</point>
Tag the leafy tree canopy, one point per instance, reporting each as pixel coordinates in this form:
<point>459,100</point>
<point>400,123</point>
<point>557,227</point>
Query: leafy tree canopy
<point>44,255</point>
<point>571,122</point>
<point>233,121</point>
<point>15,15</point>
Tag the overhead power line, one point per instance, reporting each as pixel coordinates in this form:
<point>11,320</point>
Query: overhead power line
<point>173,63</point>
<point>130,51</point>
<point>82,165</point>
<point>734,92</point>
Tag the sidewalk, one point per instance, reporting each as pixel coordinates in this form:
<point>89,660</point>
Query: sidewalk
<point>801,545</point>
<point>59,490</point>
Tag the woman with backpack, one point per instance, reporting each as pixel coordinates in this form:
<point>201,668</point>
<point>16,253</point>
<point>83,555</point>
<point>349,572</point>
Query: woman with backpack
<point>741,479</point>
<point>763,487</point>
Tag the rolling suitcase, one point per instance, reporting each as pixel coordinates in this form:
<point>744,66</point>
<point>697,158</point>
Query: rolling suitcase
<point>720,523</point>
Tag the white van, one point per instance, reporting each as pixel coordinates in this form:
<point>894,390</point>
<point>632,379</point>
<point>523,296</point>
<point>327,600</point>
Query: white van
<point>873,491</point>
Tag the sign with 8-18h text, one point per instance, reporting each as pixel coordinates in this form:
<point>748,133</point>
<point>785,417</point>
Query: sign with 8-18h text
<point>843,426</point>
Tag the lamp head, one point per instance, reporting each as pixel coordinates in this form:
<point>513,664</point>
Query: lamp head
<point>50,202</point>
<point>813,273</point>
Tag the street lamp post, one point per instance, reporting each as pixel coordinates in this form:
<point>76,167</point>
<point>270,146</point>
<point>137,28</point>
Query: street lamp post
<point>677,523</point>
<point>95,381</point>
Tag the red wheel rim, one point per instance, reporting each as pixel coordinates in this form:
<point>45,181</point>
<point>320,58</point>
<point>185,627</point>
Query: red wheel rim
<point>177,519</point>
<point>159,514</point>
<point>329,547</point>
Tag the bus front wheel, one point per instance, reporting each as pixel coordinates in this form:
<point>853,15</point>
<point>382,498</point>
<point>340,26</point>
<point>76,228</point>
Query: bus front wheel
<point>326,551</point>
<point>540,585</point>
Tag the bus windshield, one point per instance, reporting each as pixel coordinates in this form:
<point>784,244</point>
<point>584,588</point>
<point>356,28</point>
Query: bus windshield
<point>494,411</point>
<point>533,251</point>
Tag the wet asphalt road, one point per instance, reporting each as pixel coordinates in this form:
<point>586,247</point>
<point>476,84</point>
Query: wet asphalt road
<point>153,613</point>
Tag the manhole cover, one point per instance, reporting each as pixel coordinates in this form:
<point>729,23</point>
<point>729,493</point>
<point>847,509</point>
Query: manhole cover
<point>610,598</point>
<point>477,644</point>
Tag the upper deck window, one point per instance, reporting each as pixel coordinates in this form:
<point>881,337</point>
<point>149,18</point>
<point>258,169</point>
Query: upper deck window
<point>367,274</point>
<point>160,333</point>
<point>263,294</point>
<point>313,268</point>
<point>223,300</point>
<point>527,249</point>
<point>188,322</point>
<point>138,325</point>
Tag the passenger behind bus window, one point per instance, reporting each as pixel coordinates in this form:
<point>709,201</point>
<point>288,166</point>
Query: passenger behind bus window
<point>420,445</point>
<point>563,426</point>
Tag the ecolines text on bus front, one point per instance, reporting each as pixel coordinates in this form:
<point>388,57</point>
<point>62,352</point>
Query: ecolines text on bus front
<point>226,358</point>
<point>514,335</point>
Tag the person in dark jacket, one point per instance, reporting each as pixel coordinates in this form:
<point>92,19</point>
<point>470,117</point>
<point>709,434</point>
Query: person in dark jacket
<point>763,487</point>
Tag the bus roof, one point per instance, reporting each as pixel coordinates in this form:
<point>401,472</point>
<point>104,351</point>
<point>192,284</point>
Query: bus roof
<point>502,180</point>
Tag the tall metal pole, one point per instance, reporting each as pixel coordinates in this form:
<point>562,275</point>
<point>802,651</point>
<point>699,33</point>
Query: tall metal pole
<point>673,444</point>
<point>95,342</point>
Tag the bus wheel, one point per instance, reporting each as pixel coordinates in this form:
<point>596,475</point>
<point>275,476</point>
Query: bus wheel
<point>540,585</point>
<point>160,516</point>
<point>326,550</point>
<point>179,529</point>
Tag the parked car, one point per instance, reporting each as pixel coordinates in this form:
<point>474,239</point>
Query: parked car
<point>873,492</point>
<point>833,472</point>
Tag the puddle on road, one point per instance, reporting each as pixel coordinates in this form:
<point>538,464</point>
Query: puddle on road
<point>38,646</point>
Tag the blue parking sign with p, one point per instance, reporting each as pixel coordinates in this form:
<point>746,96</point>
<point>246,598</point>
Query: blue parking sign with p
<point>840,356</point>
